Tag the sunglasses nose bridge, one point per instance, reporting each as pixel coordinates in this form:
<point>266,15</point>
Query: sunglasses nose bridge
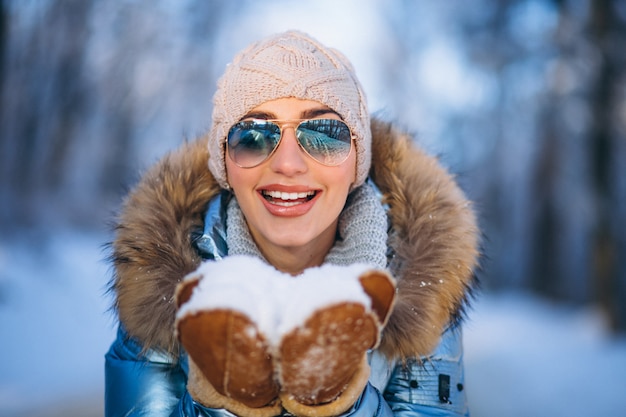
<point>288,128</point>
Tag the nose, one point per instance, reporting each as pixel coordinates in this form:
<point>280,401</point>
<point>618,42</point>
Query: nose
<point>288,159</point>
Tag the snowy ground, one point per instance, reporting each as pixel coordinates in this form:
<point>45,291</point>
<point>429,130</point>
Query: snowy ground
<point>524,356</point>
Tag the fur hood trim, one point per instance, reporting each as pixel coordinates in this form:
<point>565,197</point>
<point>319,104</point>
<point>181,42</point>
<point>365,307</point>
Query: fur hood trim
<point>434,240</point>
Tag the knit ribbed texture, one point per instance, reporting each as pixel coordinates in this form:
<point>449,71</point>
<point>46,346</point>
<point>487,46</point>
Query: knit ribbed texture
<point>238,237</point>
<point>289,64</point>
<point>362,231</point>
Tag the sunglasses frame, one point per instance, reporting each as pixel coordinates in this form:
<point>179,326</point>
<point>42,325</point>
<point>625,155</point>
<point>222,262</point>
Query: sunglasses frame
<point>285,124</point>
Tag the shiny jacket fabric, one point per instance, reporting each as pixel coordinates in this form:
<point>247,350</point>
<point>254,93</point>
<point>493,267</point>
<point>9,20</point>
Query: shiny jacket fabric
<point>418,368</point>
<point>152,384</point>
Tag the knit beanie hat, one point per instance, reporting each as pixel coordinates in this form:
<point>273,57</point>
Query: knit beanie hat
<point>290,64</point>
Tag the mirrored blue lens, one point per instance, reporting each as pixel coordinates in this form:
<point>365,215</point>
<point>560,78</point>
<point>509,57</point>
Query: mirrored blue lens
<point>251,142</point>
<point>328,141</point>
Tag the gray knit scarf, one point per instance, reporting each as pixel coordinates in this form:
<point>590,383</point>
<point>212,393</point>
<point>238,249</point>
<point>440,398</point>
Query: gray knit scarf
<point>362,231</point>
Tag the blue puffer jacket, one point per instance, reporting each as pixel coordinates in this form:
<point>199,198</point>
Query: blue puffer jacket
<point>165,230</point>
<point>152,384</point>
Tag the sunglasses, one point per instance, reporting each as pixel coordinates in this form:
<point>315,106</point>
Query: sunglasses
<point>251,142</point>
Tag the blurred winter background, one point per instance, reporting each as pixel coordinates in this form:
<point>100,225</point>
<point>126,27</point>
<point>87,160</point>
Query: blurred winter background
<point>524,100</point>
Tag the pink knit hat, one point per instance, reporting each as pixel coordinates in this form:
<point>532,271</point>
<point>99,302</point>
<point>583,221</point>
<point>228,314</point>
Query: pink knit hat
<point>290,64</point>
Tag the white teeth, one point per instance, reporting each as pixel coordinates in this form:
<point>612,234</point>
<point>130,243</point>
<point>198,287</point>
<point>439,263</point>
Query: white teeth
<point>288,196</point>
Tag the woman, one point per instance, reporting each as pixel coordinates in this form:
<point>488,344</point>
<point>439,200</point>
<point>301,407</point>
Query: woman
<point>298,177</point>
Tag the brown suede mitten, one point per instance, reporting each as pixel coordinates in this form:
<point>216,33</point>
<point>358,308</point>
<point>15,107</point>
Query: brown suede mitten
<point>229,363</point>
<point>323,363</point>
<point>259,340</point>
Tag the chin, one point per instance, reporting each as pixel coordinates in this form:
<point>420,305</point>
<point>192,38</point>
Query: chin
<point>292,242</point>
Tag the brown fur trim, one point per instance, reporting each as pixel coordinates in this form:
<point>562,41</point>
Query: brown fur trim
<point>152,250</point>
<point>434,237</point>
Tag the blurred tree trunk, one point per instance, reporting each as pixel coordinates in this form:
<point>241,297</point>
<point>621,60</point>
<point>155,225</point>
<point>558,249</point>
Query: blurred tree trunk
<point>502,188</point>
<point>563,211</point>
<point>70,91</point>
<point>608,33</point>
<point>3,44</point>
<point>44,101</point>
<point>580,174</point>
<point>87,88</point>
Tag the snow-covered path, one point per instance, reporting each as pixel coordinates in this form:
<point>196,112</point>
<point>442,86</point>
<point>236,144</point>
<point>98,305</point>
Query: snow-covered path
<point>54,321</point>
<point>527,357</point>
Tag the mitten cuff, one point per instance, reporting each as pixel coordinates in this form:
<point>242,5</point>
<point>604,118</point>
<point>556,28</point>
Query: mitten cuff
<point>341,404</point>
<point>204,393</point>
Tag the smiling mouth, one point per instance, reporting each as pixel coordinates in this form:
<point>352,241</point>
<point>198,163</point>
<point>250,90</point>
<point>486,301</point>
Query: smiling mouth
<point>287,199</point>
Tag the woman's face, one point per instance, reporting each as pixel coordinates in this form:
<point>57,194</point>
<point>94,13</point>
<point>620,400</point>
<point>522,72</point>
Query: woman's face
<point>290,201</point>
